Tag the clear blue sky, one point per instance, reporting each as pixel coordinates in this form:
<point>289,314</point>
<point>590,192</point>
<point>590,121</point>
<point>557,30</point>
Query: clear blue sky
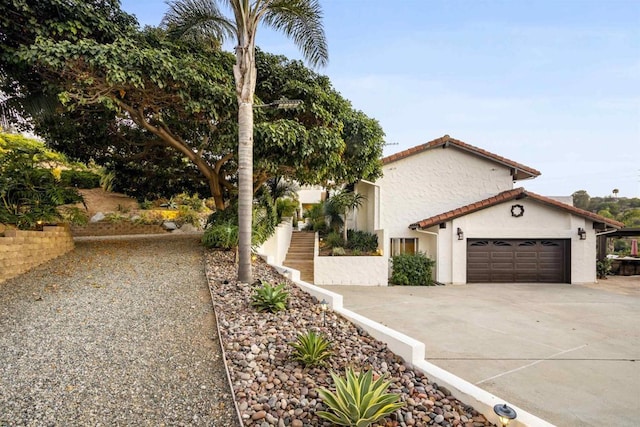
<point>552,84</point>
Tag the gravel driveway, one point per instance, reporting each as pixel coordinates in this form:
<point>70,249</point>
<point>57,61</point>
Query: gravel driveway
<point>117,332</point>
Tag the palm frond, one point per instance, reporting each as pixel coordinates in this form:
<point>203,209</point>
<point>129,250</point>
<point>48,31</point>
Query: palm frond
<point>197,20</point>
<point>301,21</point>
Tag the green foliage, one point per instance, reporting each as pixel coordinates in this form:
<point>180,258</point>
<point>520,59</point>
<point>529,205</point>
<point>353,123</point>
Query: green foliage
<point>362,241</point>
<point>74,215</point>
<point>188,215</point>
<point>334,239</point>
<point>221,235</point>
<point>316,216</point>
<point>337,251</point>
<point>623,209</point>
<point>192,201</point>
<point>358,401</point>
<point>286,207</point>
<point>29,195</point>
<point>412,269</point>
<point>311,349</point>
<point>603,267</point>
<point>80,179</point>
<point>146,204</point>
<point>107,180</point>
<point>269,298</point>
<point>344,202</point>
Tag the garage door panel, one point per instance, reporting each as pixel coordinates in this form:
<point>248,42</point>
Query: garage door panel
<point>518,260</point>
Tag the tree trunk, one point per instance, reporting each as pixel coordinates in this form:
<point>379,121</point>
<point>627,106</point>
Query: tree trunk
<point>344,228</point>
<point>245,190</point>
<point>245,75</point>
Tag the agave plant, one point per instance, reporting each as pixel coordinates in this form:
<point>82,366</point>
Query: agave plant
<point>269,298</point>
<point>358,401</point>
<point>311,349</point>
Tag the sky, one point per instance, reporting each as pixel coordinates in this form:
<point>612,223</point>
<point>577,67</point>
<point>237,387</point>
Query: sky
<point>551,84</point>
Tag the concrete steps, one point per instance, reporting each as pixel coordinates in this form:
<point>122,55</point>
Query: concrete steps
<point>300,254</point>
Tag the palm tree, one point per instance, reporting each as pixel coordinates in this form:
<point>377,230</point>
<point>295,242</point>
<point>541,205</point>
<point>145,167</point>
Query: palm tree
<point>300,20</point>
<point>345,202</point>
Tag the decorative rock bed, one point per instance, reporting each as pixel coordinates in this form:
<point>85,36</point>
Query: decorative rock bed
<point>272,389</point>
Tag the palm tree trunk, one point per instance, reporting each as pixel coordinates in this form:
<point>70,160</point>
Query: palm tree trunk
<point>245,190</point>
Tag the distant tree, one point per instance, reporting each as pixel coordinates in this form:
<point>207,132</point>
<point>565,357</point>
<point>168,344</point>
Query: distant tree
<point>581,199</point>
<point>615,192</point>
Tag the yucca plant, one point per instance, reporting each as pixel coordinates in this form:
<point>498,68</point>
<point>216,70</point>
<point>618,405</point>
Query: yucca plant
<point>311,349</point>
<point>269,298</point>
<point>358,401</point>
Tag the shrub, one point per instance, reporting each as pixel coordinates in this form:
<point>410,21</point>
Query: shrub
<point>30,196</point>
<point>146,204</point>
<point>74,215</point>
<point>334,240</point>
<point>187,215</point>
<point>358,401</point>
<point>79,179</point>
<point>311,349</point>
<point>194,202</point>
<point>411,269</point>
<point>362,241</point>
<point>269,298</point>
<point>338,251</point>
<point>222,235</point>
<point>603,267</point>
<point>286,207</point>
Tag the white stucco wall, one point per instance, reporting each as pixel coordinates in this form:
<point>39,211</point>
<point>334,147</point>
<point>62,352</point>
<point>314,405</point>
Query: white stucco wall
<point>350,270</point>
<point>308,194</point>
<point>276,247</point>
<point>538,222</point>
<point>433,182</point>
<point>366,216</point>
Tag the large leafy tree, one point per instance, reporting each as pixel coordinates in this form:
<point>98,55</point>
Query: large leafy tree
<point>23,92</point>
<point>298,19</point>
<point>325,140</point>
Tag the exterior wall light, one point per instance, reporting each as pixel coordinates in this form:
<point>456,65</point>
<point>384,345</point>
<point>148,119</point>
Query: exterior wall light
<point>324,305</point>
<point>582,233</point>
<point>460,234</point>
<point>505,413</point>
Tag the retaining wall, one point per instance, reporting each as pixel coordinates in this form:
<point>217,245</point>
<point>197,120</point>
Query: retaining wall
<point>351,270</point>
<point>22,250</point>
<point>115,229</point>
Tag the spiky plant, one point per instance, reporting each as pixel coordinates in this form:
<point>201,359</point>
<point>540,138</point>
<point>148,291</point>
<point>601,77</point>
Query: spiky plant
<point>358,401</point>
<point>311,349</point>
<point>269,298</point>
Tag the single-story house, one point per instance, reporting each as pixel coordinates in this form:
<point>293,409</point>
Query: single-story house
<point>457,203</point>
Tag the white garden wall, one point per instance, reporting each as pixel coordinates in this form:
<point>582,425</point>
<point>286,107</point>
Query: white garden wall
<point>351,270</point>
<point>276,247</point>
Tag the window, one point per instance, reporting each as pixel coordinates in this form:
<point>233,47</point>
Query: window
<point>404,246</point>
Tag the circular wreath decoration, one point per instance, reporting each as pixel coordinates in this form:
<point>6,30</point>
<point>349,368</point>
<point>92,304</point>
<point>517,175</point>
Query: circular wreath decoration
<point>517,211</point>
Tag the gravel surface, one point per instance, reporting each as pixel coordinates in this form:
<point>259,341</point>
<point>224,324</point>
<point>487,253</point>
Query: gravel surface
<point>117,332</point>
<point>272,389</point>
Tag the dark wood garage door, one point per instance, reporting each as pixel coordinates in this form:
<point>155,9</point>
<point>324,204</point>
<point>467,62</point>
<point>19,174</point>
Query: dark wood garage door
<point>523,260</point>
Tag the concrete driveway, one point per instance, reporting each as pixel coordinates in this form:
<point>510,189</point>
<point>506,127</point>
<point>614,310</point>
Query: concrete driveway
<point>569,354</point>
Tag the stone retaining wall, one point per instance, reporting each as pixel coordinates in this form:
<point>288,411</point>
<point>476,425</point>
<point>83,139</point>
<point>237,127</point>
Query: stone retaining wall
<point>22,250</point>
<point>115,229</point>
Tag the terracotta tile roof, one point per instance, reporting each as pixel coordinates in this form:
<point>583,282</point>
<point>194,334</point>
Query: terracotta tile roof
<point>505,196</point>
<point>520,171</point>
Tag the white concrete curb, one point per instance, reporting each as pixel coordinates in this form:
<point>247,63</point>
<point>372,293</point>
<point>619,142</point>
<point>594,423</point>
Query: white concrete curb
<point>413,353</point>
